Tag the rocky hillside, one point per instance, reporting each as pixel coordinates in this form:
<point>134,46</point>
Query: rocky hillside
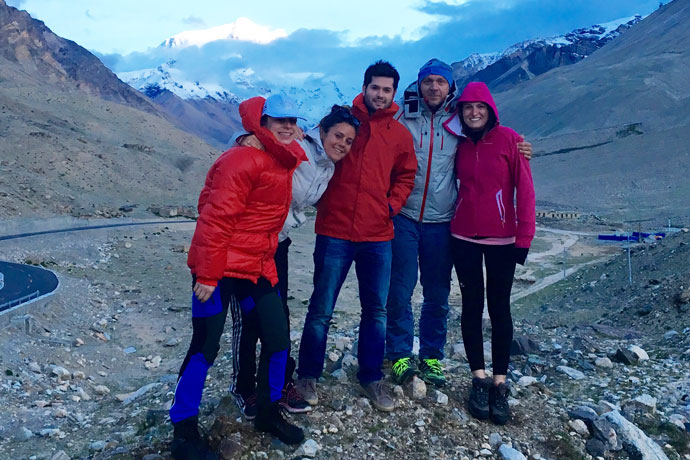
<point>526,60</point>
<point>610,131</point>
<point>78,140</point>
<point>599,368</point>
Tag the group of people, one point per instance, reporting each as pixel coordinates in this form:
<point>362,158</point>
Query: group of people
<point>405,191</point>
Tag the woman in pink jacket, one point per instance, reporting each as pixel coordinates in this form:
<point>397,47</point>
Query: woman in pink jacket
<point>493,227</point>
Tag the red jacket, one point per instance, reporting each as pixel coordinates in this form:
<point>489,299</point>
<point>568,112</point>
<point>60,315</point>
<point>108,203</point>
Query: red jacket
<point>243,205</point>
<point>372,183</point>
<point>493,177</point>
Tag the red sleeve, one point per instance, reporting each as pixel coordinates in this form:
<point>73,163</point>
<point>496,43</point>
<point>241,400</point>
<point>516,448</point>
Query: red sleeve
<point>227,188</point>
<point>402,176</point>
<point>525,198</point>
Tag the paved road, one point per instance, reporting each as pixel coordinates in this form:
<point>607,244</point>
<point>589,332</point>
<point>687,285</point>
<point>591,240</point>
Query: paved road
<point>23,280</point>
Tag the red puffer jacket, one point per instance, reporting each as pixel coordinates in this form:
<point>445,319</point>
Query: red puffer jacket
<point>372,183</point>
<point>243,205</point>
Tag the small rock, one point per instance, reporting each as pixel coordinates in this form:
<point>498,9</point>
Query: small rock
<point>23,434</point>
<point>172,342</point>
<point>97,445</point>
<point>333,356</point>
<point>596,447</point>
<point>670,334</point>
<point>570,372</point>
<point>41,403</point>
<point>83,394</point>
<point>645,310</point>
<point>495,440</point>
<point>229,449</point>
<point>527,380</point>
<point>61,373</point>
<point>60,455</point>
<point>340,375</point>
<point>398,392</point>
<point>584,413</point>
<point>603,363</point>
<point>295,336</point>
<point>79,375</point>
<point>524,346</point>
<point>342,342</point>
<point>34,367</point>
<point>308,449</point>
<point>639,352</point>
<point>130,350</point>
<point>579,427</point>
<point>441,398</point>
<point>626,357</point>
<point>415,388</point>
<point>101,390</point>
<point>459,351</point>
<point>78,342</point>
<point>60,413</point>
<point>508,453</point>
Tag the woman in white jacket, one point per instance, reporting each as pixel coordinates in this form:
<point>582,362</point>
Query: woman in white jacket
<point>326,144</point>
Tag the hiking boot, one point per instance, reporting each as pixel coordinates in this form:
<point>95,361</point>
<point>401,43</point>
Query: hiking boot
<point>292,401</point>
<point>270,419</point>
<point>431,372</point>
<point>247,405</point>
<point>187,444</point>
<point>403,370</point>
<point>307,389</point>
<point>498,404</point>
<point>479,397</point>
<point>379,396</point>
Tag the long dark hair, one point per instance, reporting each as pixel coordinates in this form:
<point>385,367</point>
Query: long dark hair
<point>339,114</point>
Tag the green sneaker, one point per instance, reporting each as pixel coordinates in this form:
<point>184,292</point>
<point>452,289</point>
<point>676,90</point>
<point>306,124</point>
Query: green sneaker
<point>432,372</point>
<point>403,370</point>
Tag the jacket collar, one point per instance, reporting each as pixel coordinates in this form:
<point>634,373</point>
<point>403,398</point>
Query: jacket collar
<point>314,137</point>
<point>415,105</point>
<point>289,155</point>
<point>360,110</point>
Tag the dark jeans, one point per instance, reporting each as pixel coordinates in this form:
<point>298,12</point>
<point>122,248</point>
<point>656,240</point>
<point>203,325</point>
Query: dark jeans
<point>332,260</point>
<point>263,311</point>
<point>423,248</point>
<point>500,269</point>
<point>245,338</point>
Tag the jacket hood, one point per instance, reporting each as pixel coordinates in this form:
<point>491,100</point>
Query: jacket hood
<point>289,155</point>
<point>477,91</point>
<point>414,102</point>
<point>314,136</point>
<point>360,110</point>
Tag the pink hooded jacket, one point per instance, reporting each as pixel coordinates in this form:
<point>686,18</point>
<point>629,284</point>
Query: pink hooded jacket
<point>494,178</point>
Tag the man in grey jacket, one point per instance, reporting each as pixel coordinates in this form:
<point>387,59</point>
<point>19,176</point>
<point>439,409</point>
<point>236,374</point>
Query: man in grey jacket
<point>422,233</point>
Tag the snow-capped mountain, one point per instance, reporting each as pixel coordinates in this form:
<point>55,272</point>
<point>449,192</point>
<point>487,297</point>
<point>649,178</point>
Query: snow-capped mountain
<point>525,60</point>
<point>243,29</point>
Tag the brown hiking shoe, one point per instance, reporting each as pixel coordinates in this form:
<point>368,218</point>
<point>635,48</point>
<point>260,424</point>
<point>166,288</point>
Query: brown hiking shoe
<point>307,388</point>
<point>379,396</point>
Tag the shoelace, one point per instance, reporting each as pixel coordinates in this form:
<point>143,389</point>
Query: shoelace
<point>434,365</point>
<point>482,393</point>
<point>250,401</point>
<point>401,365</point>
<point>293,394</point>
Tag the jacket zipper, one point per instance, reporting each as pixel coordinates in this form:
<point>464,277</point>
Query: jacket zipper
<point>428,169</point>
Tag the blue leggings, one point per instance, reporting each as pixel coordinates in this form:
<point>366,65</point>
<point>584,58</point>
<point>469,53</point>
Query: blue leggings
<point>262,304</point>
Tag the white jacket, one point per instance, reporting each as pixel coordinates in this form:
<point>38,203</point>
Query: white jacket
<point>309,181</point>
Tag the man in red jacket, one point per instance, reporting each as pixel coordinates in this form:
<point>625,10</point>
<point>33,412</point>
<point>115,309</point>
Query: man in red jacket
<point>353,224</point>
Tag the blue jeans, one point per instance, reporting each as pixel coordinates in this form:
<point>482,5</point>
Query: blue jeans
<point>423,247</point>
<point>332,260</point>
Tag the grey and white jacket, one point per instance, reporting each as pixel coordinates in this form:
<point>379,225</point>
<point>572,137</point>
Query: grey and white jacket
<point>309,181</point>
<point>435,187</point>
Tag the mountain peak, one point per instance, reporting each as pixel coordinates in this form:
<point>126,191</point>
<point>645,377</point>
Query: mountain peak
<point>243,29</point>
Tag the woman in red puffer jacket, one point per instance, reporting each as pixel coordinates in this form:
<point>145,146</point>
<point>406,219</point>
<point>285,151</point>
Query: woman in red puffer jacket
<point>493,227</point>
<point>242,208</point>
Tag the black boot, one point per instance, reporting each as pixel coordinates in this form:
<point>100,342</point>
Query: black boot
<point>479,397</point>
<point>270,420</point>
<point>498,404</point>
<point>187,443</point>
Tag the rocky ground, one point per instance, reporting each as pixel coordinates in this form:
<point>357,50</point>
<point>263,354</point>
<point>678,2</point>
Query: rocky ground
<point>90,374</point>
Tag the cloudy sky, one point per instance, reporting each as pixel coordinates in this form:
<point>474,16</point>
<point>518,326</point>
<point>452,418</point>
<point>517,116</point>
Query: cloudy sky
<point>334,39</point>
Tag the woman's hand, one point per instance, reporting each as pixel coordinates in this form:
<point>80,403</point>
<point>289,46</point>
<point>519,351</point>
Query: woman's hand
<point>250,140</point>
<point>203,291</point>
<point>525,148</point>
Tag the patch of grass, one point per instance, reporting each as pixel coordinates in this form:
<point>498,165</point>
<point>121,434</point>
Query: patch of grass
<point>629,130</point>
<point>560,445</point>
<point>669,434</point>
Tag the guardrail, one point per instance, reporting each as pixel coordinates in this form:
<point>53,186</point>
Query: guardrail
<point>19,301</point>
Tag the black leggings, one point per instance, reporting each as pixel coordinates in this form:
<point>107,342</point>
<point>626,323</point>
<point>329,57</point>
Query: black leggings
<point>245,335</point>
<point>500,269</point>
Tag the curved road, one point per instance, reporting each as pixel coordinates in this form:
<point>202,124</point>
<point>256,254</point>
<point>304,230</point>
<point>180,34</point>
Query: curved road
<point>24,280</point>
